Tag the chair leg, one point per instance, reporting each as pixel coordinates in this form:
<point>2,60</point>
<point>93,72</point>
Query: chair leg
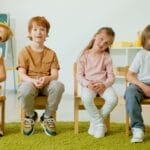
<point>76,118</point>
<point>127,124</point>
<point>107,122</point>
<point>2,103</point>
<point>22,117</point>
<point>76,122</point>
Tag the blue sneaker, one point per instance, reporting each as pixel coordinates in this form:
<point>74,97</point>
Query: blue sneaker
<point>28,124</point>
<point>48,125</point>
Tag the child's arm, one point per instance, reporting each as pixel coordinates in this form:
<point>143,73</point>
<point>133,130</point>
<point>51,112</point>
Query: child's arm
<point>2,70</point>
<point>109,71</point>
<point>47,79</point>
<point>132,78</point>
<point>81,74</point>
<point>24,77</point>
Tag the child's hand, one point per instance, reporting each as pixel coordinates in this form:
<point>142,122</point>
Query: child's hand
<point>37,83</point>
<point>91,86</point>
<point>44,80</point>
<point>146,90</point>
<point>99,87</point>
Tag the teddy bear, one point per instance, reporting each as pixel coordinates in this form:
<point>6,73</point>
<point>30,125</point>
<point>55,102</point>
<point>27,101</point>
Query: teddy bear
<point>5,32</point>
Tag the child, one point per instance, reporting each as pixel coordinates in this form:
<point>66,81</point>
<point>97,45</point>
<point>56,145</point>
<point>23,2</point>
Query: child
<point>5,34</point>
<point>38,69</point>
<point>139,87</point>
<point>95,74</point>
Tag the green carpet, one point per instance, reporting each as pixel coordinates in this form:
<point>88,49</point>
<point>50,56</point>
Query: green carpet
<point>67,140</point>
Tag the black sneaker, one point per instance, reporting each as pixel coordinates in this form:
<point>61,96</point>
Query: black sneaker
<point>28,124</point>
<point>48,125</point>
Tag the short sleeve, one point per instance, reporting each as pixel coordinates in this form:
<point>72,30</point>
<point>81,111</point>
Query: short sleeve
<point>135,65</point>
<point>22,60</point>
<point>55,63</point>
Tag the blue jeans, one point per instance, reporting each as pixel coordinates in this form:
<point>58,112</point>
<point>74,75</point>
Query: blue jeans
<point>133,97</point>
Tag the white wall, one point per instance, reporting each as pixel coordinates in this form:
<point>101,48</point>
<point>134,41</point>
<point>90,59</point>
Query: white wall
<point>74,22</point>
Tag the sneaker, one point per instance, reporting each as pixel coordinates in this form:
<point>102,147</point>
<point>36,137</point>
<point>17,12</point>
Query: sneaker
<point>48,125</point>
<point>28,124</point>
<point>100,131</point>
<point>91,129</point>
<point>138,135</point>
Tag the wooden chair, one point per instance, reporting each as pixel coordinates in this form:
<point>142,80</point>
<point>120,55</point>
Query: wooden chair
<point>2,114</point>
<point>40,103</point>
<point>122,71</point>
<point>78,105</point>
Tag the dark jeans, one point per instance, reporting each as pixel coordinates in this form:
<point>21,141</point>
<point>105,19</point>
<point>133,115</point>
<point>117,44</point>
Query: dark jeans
<point>133,97</point>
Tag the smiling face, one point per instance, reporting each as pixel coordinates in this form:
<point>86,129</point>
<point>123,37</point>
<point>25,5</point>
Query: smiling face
<point>38,33</point>
<point>38,28</point>
<point>102,41</point>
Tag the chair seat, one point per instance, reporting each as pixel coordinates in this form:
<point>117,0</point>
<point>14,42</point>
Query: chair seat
<point>146,101</point>
<point>2,98</point>
<point>99,102</point>
<point>40,102</point>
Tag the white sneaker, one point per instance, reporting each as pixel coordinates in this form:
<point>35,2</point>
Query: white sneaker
<point>138,135</point>
<point>100,131</point>
<point>91,129</point>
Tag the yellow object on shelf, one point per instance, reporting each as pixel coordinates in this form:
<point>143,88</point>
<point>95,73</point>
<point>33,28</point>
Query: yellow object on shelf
<point>122,44</point>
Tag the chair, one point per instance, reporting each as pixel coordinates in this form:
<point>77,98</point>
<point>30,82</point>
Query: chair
<point>122,71</point>
<point>78,105</point>
<point>2,114</point>
<point>40,103</point>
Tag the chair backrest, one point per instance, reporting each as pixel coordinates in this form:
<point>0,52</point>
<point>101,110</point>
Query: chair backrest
<point>121,71</point>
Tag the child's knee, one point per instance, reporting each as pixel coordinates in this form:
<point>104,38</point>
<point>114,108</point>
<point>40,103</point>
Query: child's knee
<point>26,89</point>
<point>56,86</point>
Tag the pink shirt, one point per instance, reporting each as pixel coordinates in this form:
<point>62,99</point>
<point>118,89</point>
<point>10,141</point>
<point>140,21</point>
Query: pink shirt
<point>99,69</point>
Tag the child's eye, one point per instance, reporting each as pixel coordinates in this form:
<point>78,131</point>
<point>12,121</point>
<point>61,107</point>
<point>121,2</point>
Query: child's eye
<point>42,29</point>
<point>101,39</point>
<point>34,29</point>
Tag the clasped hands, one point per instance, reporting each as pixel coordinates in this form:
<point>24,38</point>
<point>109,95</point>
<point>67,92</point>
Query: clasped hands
<point>40,82</point>
<point>97,87</point>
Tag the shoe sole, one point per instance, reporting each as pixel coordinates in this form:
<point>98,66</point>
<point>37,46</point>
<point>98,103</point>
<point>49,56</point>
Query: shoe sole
<point>44,130</point>
<point>136,140</point>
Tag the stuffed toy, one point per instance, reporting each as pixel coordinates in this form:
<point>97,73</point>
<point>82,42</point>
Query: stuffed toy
<point>5,32</point>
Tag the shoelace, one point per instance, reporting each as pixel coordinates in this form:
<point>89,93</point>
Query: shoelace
<point>49,122</point>
<point>28,122</point>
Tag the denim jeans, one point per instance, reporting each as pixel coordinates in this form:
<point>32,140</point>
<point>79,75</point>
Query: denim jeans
<point>133,97</point>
